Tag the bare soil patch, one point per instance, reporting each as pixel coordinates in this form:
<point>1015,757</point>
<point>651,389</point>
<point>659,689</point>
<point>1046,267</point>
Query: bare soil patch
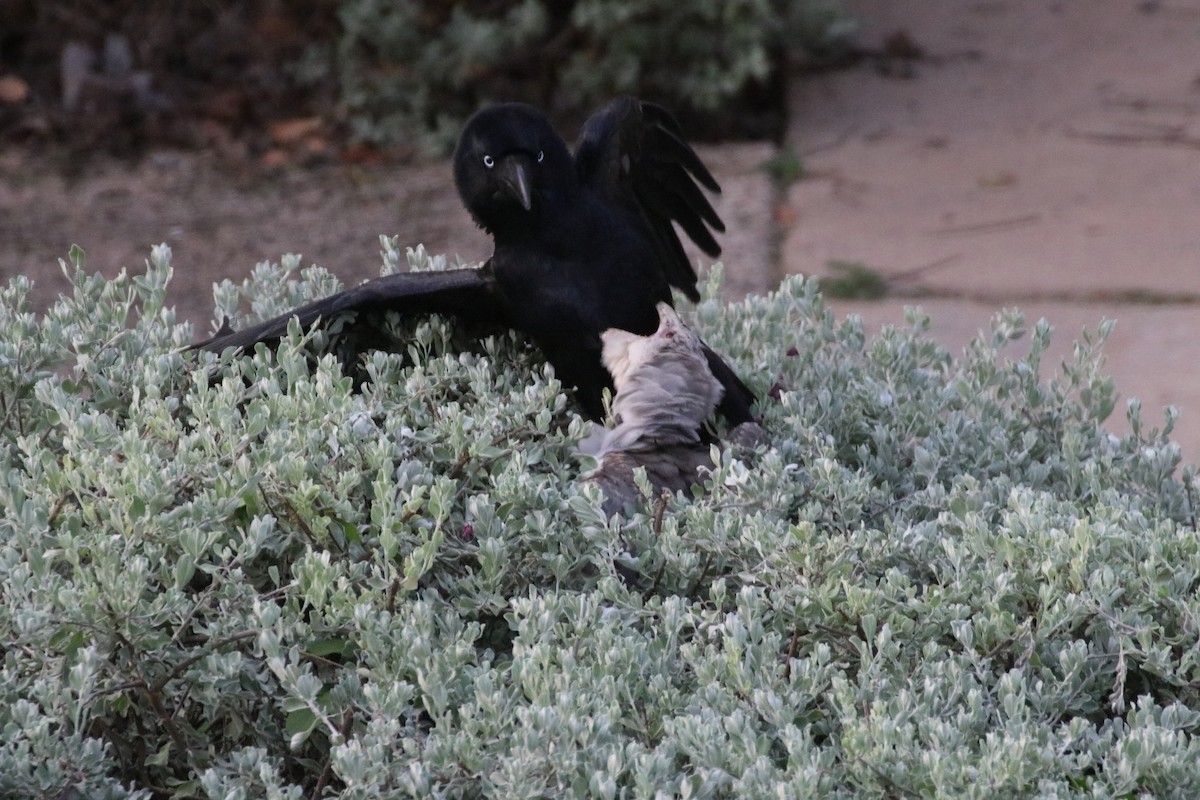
<point>220,218</point>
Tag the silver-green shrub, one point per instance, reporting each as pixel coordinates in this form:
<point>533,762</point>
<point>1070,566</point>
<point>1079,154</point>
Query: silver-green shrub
<point>273,577</point>
<point>410,73</point>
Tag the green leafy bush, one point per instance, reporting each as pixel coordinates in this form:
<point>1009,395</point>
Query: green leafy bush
<point>410,73</point>
<point>249,578</point>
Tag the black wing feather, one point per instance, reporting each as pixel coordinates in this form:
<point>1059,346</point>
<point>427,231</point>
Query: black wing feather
<point>634,154</point>
<point>679,200</point>
<point>470,293</point>
<point>669,139</point>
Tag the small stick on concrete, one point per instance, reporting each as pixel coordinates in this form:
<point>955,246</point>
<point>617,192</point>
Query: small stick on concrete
<point>993,226</point>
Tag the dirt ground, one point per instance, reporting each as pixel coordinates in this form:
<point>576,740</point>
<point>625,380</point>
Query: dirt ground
<point>221,218</point>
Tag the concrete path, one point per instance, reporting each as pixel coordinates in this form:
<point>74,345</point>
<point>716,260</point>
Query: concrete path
<point>1040,154</point>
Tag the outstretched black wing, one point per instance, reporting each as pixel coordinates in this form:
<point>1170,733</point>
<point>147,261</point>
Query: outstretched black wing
<point>466,293</point>
<point>634,153</point>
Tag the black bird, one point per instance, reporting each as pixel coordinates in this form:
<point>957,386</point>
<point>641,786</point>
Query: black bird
<point>583,243</point>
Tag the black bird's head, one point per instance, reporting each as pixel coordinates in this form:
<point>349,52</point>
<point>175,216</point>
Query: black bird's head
<point>509,163</point>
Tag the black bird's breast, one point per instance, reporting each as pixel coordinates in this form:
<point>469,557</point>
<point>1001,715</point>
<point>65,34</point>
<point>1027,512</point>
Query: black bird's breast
<point>580,276</point>
<point>567,281</point>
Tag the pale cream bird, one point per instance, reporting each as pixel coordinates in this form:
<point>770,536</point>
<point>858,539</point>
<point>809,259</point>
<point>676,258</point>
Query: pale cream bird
<point>665,392</point>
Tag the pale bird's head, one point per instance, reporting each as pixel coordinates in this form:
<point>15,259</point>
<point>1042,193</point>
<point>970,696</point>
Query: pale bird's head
<point>625,352</point>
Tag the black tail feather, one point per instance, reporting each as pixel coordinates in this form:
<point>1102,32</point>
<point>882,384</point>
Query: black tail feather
<point>737,400</point>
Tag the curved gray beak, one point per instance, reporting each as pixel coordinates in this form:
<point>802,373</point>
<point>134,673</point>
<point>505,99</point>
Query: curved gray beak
<point>515,181</point>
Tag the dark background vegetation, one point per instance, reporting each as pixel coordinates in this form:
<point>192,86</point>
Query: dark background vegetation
<point>374,78</point>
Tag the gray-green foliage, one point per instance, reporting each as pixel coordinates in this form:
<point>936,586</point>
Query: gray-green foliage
<point>409,73</point>
<point>247,577</point>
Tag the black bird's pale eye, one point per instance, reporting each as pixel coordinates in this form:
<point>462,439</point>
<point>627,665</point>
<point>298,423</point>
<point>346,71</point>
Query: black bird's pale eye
<point>541,155</point>
<point>489,162</point>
